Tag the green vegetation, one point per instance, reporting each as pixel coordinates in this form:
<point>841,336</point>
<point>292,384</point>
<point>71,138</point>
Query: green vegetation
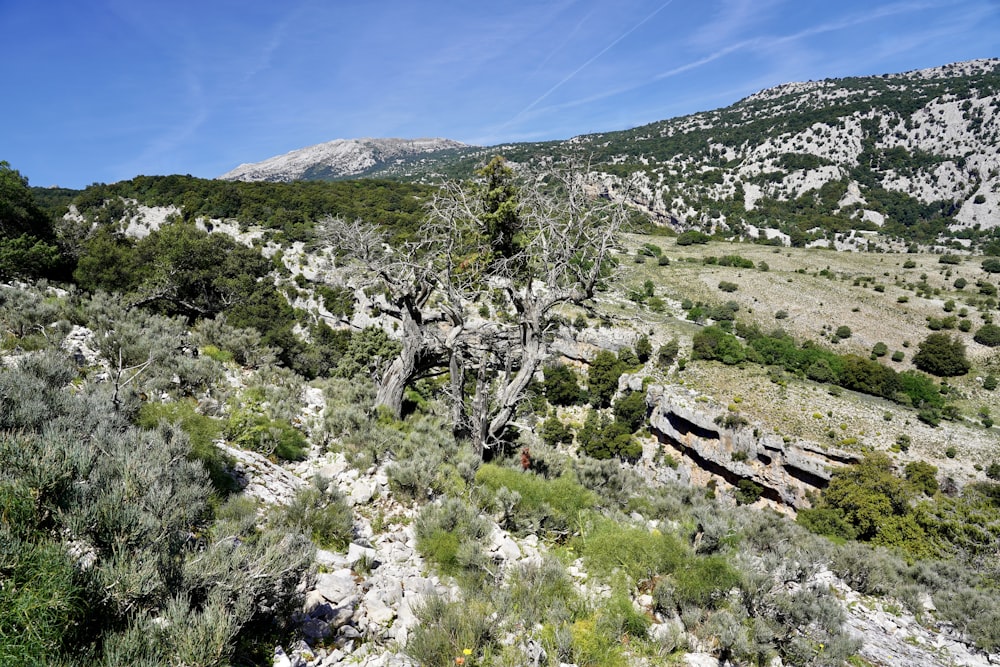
<point>538,505</point>
<point>27,238</point>
<point>869,502</point>
<point>290,208</point>
<point>941,355</point>
<point>988,335</point>
<point>128,499</point>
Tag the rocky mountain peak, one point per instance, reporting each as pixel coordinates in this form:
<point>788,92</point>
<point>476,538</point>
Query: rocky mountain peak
<point>339,158</point>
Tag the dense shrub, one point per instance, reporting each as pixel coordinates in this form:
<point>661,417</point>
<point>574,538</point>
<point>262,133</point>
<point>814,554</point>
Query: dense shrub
<point>704,581</point>
<point>27,239</point>
<point>988,335</point>
<point>449,534</point>
<point>561,385</point>
<point>667,353</point>
<point>130,500</point>
<point>602,378</point>
<point>272,437</point>
<point>713,343</point>
<point>320,512</point>
<point>630,410</point>
<point>643,349</point>
<point>555,433</point>
<point>447,629</point>
<point>201,431</point>
<point>692,237</point>
<point>601,437</point>
<point>639,553</point>
<point>941,355</point>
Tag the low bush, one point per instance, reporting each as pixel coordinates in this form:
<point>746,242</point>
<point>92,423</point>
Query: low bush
<point>271,437</point>
<point>320,512</point>
<point>534,503</point>
<point>704,581</point>
<point>638,553</point>
<point>447,629</point>
<point>201,431</point>
<point>449,534</point>
<point>988,335</point>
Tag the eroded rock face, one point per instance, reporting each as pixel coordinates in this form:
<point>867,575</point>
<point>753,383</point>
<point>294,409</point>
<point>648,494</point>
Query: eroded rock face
<point>733,451</point>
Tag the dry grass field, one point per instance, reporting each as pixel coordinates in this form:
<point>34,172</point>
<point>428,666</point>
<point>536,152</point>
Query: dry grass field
<point>820,290</point>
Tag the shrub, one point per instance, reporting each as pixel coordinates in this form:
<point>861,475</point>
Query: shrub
<point>990,382</point>
<point>988,335</point>
<point>201,431</point>
<point>921,475</point>
<point>449,534</point>
<point>540,504</point>
<point>713,343</point>
<point>630,410</point>
<point>446,629</point>
<point>691,237</point>
<point>748,492</point>
<point>781,315</point>
<point>704,581</point>
<point>941,355</point>
<point>880,349</point>
<point>602,438</point>
<point>268,436</point>
<point>638,553</point>
<point>898,356</point>
<point>561,385</point>
<point>960,283</point>
<point>321,512</point>
<point>727,286</point>
<point>843,332</point>
<point>643,349</point>
<point>667,353</point>
<point>602,377</point>
<point>555,433</point>
<point>991,265</point>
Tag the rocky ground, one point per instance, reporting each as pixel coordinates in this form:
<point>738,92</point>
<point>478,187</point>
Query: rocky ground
<point>359,605</point>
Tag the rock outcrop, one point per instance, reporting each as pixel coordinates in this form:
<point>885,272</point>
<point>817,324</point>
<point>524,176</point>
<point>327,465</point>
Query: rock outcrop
<point>718,441</point>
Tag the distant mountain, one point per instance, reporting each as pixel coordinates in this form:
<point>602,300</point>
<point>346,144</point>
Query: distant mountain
<point>915,156</point>
<point>341,158</point>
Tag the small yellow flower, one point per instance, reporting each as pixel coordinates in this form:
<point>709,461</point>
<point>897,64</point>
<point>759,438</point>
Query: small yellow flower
<point>467,651</point>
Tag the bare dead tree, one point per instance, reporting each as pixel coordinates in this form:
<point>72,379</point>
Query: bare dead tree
<point>404,280</point>
<point>566,243</point>
<point>556,251</point>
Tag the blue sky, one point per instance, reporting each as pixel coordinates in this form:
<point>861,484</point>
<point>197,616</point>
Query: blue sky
<point>103,90</point>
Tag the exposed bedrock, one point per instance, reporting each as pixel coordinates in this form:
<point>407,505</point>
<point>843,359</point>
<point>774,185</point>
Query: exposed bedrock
<point>708,440</point>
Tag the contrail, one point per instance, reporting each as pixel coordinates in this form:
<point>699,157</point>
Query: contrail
<point>592,59</point>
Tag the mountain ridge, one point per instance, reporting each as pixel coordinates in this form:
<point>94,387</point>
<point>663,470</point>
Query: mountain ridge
<point>904,153</point>
<point>338,159</point>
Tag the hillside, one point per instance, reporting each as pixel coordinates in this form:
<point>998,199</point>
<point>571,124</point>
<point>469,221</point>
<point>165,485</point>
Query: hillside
<point>396,423</point>
<point>913,156</point>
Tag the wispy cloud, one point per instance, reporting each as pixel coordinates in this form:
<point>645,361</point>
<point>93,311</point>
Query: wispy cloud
<point>733,18</point>
<point>582,67</point>
<point>779,47</point>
